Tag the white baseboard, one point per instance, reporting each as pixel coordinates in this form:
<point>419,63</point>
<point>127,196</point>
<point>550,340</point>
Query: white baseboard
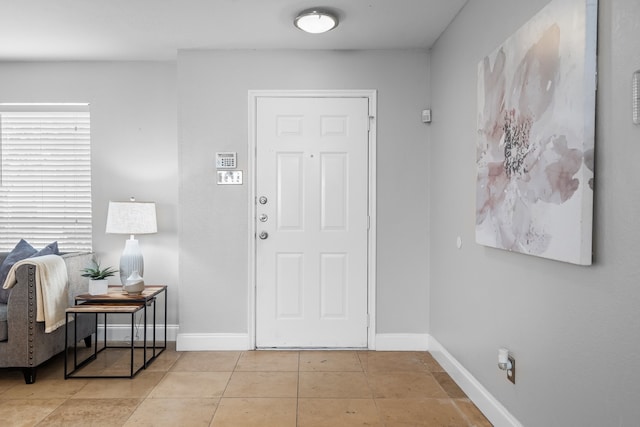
<point>402,342</point>
<point>122,332</point>
<point>204,342</point>
<point>480,396</point>
<point>184,342</point>
<point>211,342</point>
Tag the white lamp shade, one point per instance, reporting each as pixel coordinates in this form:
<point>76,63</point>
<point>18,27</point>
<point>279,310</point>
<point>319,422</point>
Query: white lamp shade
<point>131,218</point>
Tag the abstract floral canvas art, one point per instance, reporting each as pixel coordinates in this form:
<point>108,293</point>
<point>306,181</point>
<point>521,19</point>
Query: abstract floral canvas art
<point>535,146</point>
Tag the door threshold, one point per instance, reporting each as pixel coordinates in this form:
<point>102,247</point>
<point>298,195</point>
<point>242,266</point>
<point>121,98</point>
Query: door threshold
<point>311,348</point>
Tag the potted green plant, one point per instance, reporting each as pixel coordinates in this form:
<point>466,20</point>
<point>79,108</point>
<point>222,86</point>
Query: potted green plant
<point>98,283</point>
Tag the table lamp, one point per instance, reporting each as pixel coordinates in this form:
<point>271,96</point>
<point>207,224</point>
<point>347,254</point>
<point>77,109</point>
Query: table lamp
<point>131,218</point>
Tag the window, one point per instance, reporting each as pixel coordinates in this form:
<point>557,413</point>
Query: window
<point>45,175</point>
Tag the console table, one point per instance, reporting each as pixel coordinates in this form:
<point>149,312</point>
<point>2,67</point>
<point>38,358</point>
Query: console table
<point>116,301</point>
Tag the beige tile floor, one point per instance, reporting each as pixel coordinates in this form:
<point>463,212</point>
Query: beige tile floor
<point>244,389</point>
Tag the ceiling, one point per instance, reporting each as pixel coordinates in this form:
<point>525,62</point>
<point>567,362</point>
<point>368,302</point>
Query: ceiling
<point>33,30</point>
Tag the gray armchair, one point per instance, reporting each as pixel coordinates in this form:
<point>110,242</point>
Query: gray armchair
<point>23,342</point>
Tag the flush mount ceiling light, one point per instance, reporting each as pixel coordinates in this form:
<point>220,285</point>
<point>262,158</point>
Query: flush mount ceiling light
<point>316,21</point>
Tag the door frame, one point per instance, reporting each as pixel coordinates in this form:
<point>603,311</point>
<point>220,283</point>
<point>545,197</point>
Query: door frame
<point>254,95</point>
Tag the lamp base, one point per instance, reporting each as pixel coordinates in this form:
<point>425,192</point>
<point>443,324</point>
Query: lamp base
<point>131,260</point>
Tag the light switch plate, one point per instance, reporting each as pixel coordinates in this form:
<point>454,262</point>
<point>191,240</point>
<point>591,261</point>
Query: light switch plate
<point>635,93</point>
<point>229,177</point>
<point>426,116</point>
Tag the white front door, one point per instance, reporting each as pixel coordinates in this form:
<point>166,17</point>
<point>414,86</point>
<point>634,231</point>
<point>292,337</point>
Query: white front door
<point>311,222</point>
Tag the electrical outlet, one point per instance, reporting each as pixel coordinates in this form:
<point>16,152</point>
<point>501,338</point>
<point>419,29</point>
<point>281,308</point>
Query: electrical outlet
<point>511,373</point>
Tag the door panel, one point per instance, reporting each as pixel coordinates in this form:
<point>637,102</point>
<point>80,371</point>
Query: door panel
<point>311,269</point>
<point>333,286</point>
<point>289,195</point>
<point>289,275</point>
<point>334,178</point>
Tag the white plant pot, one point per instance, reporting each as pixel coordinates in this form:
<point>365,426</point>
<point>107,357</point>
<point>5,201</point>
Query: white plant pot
<point>98,287</point>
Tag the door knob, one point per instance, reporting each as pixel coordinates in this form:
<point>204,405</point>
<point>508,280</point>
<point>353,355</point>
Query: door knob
<point>263,217</point>
<point>263,235</point>
<point>262,200</point>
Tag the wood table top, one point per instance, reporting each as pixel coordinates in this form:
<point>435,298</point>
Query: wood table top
<point>116,294</point>
<point>105,308</point>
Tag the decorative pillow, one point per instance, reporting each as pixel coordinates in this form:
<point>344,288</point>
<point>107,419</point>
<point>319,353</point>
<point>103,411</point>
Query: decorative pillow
<point>21,251</point>
<point>50,249</point>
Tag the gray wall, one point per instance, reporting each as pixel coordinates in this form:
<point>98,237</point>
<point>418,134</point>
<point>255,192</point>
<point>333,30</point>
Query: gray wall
<point>213,87</point>
<point>133,146</point>
<point>575,331</point>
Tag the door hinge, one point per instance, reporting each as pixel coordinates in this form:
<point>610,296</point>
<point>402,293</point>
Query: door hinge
<point>369,122</point>
<point>368,320</point>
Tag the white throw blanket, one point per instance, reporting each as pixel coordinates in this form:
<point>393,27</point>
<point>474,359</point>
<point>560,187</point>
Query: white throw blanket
<point>51,289</point>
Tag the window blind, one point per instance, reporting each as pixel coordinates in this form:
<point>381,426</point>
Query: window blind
<point>45,176</point>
